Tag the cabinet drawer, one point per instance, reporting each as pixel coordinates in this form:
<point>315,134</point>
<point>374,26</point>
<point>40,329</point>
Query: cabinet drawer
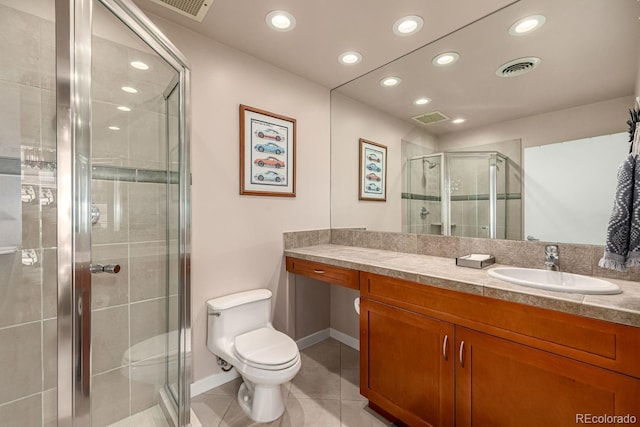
<point>326,273</point>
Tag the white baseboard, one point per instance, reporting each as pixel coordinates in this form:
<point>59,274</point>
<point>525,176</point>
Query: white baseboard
<point>345,339</point>
<point>322,335</point>
<point>314,338</point>
<point>216,380</point>
<point>212,381</point>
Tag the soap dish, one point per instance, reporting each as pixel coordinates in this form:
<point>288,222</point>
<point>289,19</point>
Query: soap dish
<point>475,261</point>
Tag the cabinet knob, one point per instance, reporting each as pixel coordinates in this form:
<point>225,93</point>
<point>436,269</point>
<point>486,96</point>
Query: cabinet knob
<point>461,353</point>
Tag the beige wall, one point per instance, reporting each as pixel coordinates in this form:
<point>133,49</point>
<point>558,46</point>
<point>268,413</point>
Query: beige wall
<point>350,121</point>
<point>601,118</point>
<point>343,314</point>
<point>237,240</point>
<point>312,310</point>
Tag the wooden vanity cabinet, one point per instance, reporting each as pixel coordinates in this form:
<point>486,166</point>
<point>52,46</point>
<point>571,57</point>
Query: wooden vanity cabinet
<point>409,370</point>
<point>501,383</point>
<point>435,357</point>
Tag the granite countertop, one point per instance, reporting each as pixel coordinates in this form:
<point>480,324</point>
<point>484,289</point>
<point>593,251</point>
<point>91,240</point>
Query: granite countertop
<point>622,308</point>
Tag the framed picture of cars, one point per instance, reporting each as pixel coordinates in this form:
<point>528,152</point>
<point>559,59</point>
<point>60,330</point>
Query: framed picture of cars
<point>267,153</point>
<point>373,171</point>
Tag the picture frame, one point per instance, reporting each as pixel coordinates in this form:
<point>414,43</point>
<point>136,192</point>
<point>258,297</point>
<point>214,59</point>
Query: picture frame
<point>267,153</point>
<point>373,171</point>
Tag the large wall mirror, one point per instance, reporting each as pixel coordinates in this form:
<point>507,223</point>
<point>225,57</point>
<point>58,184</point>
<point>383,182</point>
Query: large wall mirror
<point>519,136</point>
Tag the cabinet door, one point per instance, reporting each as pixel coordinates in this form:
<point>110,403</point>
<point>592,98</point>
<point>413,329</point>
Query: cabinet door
<point>502,384</point>
<point>406,364</point>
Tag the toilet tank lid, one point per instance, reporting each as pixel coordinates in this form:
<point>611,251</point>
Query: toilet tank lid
<point>233,300</point>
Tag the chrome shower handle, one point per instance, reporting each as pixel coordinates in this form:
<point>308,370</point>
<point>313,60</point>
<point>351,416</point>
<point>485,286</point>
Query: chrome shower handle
<point>109,268</point>
<point>95,214</point>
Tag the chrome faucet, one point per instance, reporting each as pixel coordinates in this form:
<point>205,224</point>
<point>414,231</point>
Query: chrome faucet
<point>551,258</point>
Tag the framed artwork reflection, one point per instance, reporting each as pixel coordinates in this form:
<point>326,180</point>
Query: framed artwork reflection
<point>373,171</point>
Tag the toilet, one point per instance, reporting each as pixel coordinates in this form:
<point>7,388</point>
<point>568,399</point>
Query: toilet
<point>152,359</point>
<point>240,333</point>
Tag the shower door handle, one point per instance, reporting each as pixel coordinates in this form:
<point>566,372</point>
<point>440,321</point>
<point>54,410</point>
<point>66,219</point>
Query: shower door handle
<point>109,268</point>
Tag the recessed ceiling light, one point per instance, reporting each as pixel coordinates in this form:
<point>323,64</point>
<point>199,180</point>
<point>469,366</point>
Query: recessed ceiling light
<point>280,20</point>
<point>422,101</point>
<point>390,81</point>
<point>139,65</point>
<point>123,108</point>
<point>527,25</point>
<point>129,89</point>
<point>114,128</point>
<point>350,58</point>
<point>408,25</point>
<point>444,59</point>
<point>458,121</point>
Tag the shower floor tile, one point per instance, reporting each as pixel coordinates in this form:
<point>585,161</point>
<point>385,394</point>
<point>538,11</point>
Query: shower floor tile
<point>152,417</point>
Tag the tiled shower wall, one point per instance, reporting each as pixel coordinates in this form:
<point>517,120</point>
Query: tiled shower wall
<point>131,192</point>
<point>28,296</point>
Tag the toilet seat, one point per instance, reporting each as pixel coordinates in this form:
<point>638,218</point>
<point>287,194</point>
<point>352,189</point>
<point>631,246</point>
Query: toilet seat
<point>266,348</point>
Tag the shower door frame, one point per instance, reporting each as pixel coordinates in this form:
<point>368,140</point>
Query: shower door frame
<point>73,21</point>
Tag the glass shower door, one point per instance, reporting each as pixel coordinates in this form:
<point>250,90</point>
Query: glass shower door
<point>135,227</point>
<point>94,231</point>
<point>470,198</point>
<point>477,186</point>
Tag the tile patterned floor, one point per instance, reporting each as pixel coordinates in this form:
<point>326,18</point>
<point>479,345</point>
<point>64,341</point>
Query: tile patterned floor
<point>152,417</point>
<point>325,393</point>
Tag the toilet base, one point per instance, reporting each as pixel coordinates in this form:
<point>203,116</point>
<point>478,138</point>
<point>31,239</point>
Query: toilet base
<point>262,403</point>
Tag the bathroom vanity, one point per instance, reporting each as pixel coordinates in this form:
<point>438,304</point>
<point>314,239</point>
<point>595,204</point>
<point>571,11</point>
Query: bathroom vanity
<point>442,345</point>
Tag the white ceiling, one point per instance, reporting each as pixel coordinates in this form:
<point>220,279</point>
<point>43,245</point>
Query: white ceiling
<point>327,28</point>
<point>590,51</point>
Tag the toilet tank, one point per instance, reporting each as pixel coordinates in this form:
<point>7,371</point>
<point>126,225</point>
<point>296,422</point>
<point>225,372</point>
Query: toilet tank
<point>235,314</point>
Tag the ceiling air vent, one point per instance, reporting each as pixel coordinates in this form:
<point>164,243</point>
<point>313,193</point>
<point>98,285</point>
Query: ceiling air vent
<point>194,9</point>
<point>517,67</point>
<point>430,118</point>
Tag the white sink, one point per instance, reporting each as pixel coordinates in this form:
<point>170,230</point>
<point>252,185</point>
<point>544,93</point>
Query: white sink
<point>554,280</point>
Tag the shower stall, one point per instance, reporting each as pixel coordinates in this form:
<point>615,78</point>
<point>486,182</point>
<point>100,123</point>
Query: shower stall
<point>457,194</point>
<point>94,217</point>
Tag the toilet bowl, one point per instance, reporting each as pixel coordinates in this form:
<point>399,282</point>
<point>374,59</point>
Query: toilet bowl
<point>241,334</point>
<point>152,359</point>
